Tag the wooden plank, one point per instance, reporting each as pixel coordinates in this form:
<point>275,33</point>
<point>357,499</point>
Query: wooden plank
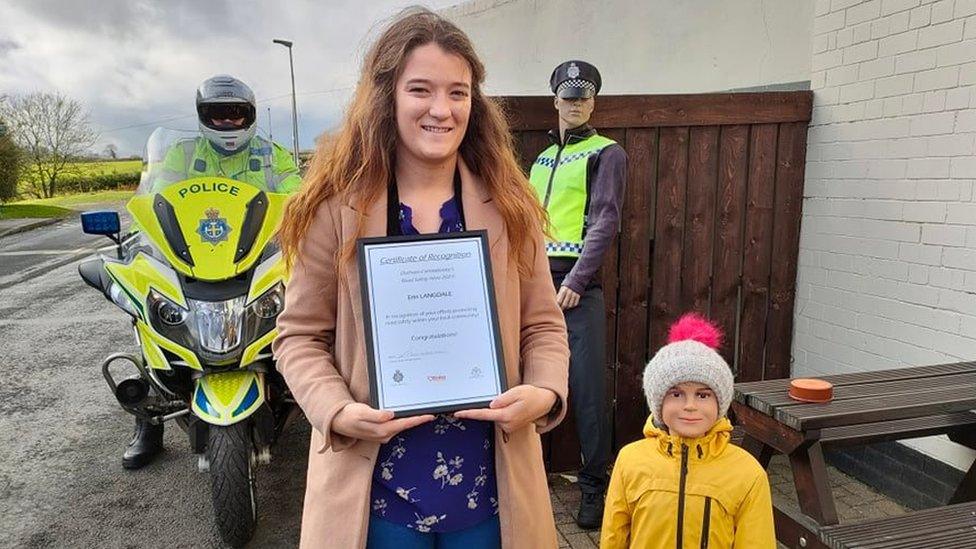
<point>790,165</point>
<point>528,146</point>
<point>766,402</point>
<point>757,251</point>
<point>767,430</point>
<point>869,433</point>
<point>645,111</point>
<point>699,235</point>
<point>730,212</point>
<point>883,408</point>
<point>635,238</point>
<point>812,485</point>
<point>949,526</point>
<point>668,232</point>
<point>759,388</point>
<point>610,275</point>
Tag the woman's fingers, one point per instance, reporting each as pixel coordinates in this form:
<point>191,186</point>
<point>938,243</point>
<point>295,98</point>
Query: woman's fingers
<point>483,414</point>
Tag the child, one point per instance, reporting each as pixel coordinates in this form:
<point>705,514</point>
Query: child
<point>684,485</point>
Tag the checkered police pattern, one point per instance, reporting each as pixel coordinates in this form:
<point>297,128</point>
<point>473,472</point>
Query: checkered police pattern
<point>551,162</point>
<point>556,247</point>
<point>576,83</point>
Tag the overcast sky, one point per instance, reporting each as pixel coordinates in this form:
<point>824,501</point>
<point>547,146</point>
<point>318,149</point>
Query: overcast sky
<point>136,63</point>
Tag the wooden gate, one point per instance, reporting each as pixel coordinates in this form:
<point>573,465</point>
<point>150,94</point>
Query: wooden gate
<point>710,223</point>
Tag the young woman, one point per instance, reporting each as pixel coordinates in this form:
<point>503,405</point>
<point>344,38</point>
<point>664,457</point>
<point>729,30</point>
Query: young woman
<point>421,150</point>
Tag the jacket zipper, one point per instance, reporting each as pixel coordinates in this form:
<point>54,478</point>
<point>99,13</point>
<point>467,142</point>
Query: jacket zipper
<point>552,175</point>
<point>705,521</point>
<point>681,495</point>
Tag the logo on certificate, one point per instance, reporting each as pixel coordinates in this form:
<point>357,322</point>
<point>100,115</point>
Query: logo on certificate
<point>476,373</point>
<point>398,377</point>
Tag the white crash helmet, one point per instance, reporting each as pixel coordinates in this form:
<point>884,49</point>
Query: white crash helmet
<point>225,97</point>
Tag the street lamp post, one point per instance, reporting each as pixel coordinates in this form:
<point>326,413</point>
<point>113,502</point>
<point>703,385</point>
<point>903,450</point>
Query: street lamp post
<point>294,104</point>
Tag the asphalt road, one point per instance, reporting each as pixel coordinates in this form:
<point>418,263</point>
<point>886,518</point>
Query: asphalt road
<point>62,433</point>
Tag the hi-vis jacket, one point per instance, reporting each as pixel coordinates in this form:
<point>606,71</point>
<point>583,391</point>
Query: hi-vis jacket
<point>671,492</point>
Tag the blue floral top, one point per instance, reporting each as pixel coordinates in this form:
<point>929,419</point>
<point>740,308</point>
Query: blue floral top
<point>439,476</point>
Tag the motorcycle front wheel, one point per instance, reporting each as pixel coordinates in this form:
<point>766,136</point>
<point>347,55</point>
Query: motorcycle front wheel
<point>230,452</point>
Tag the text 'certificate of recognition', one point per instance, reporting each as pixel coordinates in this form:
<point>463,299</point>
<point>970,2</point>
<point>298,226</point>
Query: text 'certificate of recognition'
<point>431,324</point>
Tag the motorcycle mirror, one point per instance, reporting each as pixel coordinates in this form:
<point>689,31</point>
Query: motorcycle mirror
<point>104,222</point>
<point>91,273</point>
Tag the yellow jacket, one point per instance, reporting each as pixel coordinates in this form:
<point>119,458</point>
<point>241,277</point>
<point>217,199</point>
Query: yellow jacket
<point>668,492</point>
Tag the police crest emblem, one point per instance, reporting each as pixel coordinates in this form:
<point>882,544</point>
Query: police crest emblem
<point>213,229</point>
<point>573,71</point>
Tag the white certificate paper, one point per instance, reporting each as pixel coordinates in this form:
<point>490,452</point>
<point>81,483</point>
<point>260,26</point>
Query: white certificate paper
<point>431,324</point>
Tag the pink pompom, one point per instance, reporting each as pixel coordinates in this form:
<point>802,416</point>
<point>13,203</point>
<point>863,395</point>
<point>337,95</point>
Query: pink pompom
<point>696,327</point>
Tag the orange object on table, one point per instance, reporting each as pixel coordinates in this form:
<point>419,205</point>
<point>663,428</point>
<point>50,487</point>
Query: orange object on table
<point>811,390</point>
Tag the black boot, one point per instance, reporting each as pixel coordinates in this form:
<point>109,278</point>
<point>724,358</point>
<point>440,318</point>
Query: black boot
<point>590,514</point>
<point>146,443</point>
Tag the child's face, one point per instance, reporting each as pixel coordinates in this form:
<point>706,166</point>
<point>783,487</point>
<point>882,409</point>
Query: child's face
<point>689,409</point>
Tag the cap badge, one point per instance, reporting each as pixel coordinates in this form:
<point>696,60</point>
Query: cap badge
<point>573,71</point>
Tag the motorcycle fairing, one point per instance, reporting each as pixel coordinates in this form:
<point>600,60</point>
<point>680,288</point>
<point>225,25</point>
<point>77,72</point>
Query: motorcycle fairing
<point>228,397</point>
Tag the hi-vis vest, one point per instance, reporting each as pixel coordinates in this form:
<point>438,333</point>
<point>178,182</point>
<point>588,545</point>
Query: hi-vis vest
<point>559,178</point>
<point>256,164</point>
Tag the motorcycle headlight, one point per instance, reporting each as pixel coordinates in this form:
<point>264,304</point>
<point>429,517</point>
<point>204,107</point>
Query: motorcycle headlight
<point>119,297</point>
<point>218,323</point>
<point>169,313</point>
<point>269,305</point>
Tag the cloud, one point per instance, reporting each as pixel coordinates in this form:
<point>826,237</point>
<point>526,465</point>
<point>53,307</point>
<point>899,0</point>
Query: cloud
<point>137,63</point>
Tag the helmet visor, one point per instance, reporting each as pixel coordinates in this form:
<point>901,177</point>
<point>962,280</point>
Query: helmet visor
<point>226,116</point>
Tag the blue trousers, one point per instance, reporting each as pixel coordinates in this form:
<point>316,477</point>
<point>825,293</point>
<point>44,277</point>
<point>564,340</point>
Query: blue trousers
<point>387,535</point>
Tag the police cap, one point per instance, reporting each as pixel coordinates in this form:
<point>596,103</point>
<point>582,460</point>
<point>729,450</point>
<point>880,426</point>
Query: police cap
<point>575,79</point>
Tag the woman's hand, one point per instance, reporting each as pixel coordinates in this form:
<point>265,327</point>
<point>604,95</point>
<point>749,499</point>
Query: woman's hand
<point>358,420</point>
<point>566,298</point>
<point>515,408</point>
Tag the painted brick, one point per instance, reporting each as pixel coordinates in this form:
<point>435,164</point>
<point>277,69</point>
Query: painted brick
<point>956,54</point>
<point>920,17</point>
<point>967,77</point>
<point>818,80</point>
<point>942,11</point>
<point>874,109</point>
<point>963,167</point>
<point>862,33</point>
<point>944,235</point>
<point>959,258</point>
<point>845,37</point>
<point>934,101</point>
<point>969,32</point>
<point>819,43</point>
<point>913,147</point>
<point>958,98</point>
<point>912,104</point>
<point>924,212</point>
<point>944,33</point>
<point>894,85</point>
<point>830,22</point>
<point>918,274</point>
<point>915,61</point>
<point>946,77</point>
<point>897,43</point>
<point>966,121</point>
<point>861,52</point>
<point>821,7</point>
<point>845,74</point>
<point>961,213</point>
<point>865,11</point>
<point>928,168</point>
<point>933,124</point>
<point>880,28</point>
<point>965,8</point>
<point>892,6</point>
<point>876,68</point>
<point>892,106</point>
<point>827,60</point>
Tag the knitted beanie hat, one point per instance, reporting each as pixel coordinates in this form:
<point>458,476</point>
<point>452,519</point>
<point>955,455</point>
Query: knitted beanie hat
<point>690,355</point>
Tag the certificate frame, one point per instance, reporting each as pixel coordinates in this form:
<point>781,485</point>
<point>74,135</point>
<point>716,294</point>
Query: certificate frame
<point>496,382</point>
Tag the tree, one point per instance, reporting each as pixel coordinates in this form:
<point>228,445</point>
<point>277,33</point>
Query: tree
<point>111,151</point>
<point>10,164</point>
<point>52,130</point>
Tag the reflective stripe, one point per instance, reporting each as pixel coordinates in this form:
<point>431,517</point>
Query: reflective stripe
<point>189,155</point>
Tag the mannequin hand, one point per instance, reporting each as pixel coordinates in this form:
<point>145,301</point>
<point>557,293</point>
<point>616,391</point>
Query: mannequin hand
<point>566,298</point>
<point>515,408</point>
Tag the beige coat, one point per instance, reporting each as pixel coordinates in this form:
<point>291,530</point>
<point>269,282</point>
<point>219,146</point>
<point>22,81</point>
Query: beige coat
<point>321,353</point>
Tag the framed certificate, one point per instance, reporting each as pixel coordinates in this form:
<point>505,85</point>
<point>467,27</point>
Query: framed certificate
<point>431,323</point>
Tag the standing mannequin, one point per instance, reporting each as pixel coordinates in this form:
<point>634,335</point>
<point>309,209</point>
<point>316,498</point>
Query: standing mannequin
<point>580,180</point>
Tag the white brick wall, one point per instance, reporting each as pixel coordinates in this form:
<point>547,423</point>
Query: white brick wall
<point>887,273</point>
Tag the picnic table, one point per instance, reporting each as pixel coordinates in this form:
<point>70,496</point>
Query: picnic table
<point>867,407</point>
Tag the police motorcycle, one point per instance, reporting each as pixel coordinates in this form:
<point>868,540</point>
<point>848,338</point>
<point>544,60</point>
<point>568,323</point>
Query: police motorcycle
<point>203,281</point>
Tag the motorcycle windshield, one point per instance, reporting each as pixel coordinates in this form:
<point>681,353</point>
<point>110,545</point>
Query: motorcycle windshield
<point>208,212</point>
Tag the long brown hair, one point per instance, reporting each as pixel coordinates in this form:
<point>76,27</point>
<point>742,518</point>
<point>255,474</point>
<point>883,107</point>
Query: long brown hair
<point>357,161</point>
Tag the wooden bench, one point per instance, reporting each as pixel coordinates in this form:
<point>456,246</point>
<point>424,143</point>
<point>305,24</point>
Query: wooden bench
<point>868,407</point>
<point>948,527</point>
